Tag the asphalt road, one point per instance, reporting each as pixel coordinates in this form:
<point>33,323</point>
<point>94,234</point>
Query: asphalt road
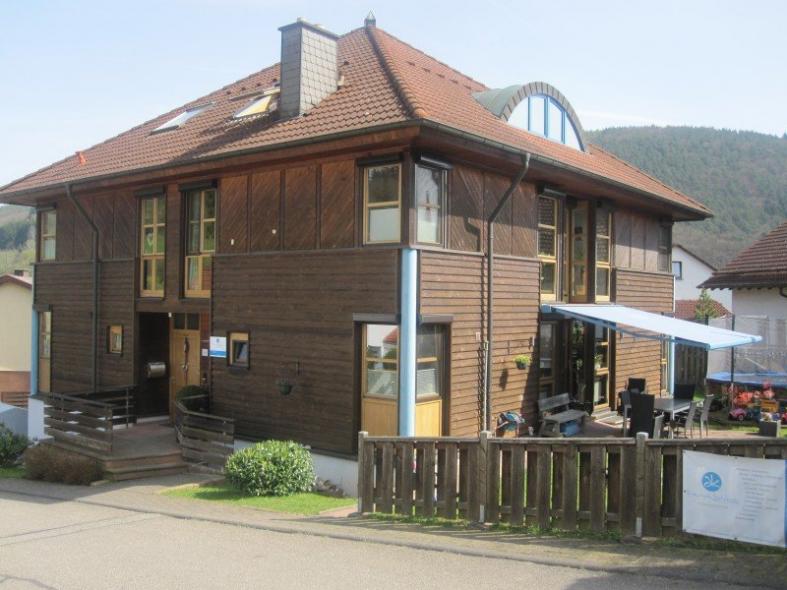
<point>64,544</point>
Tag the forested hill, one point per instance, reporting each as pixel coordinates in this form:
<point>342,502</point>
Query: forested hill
<point>740,175</point>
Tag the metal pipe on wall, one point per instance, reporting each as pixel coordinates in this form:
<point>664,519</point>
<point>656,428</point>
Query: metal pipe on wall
<point>94,336</point>
<point>490,238</point>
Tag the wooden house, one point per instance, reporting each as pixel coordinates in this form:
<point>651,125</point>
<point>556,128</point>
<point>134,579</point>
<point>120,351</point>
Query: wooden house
<point>327,219</point>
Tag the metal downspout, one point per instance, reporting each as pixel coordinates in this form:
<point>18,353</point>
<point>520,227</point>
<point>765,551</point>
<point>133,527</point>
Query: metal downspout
<point>490,238</point>
<point>94,336</point>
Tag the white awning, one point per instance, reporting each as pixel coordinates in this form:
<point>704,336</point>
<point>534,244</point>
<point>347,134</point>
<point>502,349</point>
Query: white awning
<point>653,326</point>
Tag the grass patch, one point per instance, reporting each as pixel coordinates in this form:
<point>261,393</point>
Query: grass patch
<point>719,421</point>
<point>683,541</point>
<point>307,503</point>
<point>12,472</point>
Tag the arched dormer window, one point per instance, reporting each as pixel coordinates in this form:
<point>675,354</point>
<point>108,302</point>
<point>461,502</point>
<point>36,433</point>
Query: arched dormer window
<point>538,108</point>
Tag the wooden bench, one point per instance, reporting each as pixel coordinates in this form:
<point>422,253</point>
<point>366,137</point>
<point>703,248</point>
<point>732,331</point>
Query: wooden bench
<point>555,411</point>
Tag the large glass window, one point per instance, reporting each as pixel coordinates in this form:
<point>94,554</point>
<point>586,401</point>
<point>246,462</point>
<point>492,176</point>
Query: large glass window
<point>579,248</point>
<point>547,245</point>
<point>381,360</point>
<point>543,115</point>
<point>547,347</point>
<point>677,269</point>
<point>153,245</point>
<point>430,358</point>
<point>382,204</point>
<point>665,247</point>
<point>603,254</point>
<point>200,241</point>
<point>429,192</point>
<point>115,339</point>
<point>47,228</point>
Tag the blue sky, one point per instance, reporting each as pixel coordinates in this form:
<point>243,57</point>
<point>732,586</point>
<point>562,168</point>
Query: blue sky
<point>76,72</point>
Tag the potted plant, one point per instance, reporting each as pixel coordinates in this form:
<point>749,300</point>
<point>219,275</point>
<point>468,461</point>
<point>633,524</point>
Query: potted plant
<point>523,361</point>
<point>284,386</point>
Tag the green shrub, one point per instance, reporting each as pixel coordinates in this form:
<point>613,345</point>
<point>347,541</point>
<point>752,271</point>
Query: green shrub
<point>271,468</point>
<point>11,446</point>
<point>49,463</point>
<point>195,405</point>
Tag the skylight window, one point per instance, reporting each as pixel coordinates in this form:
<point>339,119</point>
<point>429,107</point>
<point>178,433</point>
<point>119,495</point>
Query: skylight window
<point>180,120</point>
<point>259,105</point>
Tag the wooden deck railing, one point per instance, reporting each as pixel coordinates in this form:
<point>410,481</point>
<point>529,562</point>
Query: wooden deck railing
<point>634,486</point>
<point>204,438</point>
<point>87,419</point>
<point>15,398</point>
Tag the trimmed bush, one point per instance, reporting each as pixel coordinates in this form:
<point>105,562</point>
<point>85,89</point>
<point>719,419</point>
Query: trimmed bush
<point>11,446</point>
<point>195,405</point>
<point>49,463</point>
<point>271,468</point>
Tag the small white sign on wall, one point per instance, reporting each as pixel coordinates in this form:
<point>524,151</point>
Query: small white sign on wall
<point>735,498</point>
<point>218,347</point>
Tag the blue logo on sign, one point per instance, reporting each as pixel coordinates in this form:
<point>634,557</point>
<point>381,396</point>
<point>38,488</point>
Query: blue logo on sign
<point>711,481</point>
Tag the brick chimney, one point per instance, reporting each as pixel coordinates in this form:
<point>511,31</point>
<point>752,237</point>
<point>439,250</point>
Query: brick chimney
<point>309,68</point>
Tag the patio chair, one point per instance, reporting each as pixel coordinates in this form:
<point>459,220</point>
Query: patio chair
<point>685,423</point>
<point>625,407</point>
<point>684,391</point>
<point>641,413</point>
<point>658,426</point>
<point>636,385</point>
<point>704,415</point>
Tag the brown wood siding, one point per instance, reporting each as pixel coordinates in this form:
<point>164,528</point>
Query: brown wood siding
<point>233,214</point>
<point>124,235</point>
<point>337,204</point>
<point>298,308</point>
<point>67,289</point>
<point>465,208</point>
<point>454,284</point>
<point>524,225</point>
<point>636,241</point>
<point>64,247</point>
<point>116,306</point>
<point>83,233</point>
<point>300,208</point>
<point>174,247</point>
<point>103,218</point>
<point>641,358</point>
<point>265,205</point>
<point>494,187</point>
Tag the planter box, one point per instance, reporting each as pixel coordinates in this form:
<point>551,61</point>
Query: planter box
<point>769,428</point>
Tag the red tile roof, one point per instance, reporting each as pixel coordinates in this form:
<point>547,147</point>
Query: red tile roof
<point>16,280</point>
<point>685,308</point>
<point>386,82</point>
<point>763,264</point>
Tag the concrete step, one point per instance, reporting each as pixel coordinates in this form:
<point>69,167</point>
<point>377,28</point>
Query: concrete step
<point>124,474</point>
<point>111,463</point>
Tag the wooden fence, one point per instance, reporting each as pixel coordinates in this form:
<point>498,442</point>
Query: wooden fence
<point>204,438</point>
<point>78,421</point>
<point>691,365</point>
<point>631,485</point>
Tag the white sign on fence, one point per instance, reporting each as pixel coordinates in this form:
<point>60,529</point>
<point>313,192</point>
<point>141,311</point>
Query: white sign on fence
<point>735,498</point>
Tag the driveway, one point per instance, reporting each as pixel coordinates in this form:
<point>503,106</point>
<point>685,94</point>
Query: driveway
<point>54,537</point>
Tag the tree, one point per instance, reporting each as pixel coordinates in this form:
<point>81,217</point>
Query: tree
<point>706,307</point>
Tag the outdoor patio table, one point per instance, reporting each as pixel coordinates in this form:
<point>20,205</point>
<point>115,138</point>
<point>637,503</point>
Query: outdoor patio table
<point>671,406</point>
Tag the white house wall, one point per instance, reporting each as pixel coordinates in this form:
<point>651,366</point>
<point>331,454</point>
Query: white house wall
<point>759,302</point>
<point>695,272</point>
<point>16,303</point>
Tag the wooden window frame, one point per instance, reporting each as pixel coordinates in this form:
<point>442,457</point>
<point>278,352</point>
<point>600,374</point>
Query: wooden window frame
<point>203,254</point>
<point>232,338</point>
<point>441,206</point>
<point>43,237</point>
<point>579,208</point>
<point>607,265</point>
<point>44,335</point>
<point>382,205</point>
<point>155,257</point>
<point>546,259</point>
<point>441,363</point>
<point>365,360</point>
<point>552,381</point>
<point>664,251</point>
<point>112,328</point>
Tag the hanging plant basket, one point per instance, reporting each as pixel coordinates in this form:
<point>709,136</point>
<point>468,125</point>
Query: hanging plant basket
<point>522,361</point>
<point>284,386</point>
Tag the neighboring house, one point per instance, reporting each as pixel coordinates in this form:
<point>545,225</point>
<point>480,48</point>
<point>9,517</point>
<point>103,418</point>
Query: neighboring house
<point>690,271</point>
<point>330,217</point>
<point>757,277</point>
<point>16,304</point>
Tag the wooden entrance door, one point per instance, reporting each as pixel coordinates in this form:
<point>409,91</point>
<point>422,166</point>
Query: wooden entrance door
<point>184,354</point>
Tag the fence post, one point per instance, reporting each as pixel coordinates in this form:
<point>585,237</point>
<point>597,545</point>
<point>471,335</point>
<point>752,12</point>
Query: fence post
<point>639,508</point>
<point>481,487</point>
<point>362,475</point>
